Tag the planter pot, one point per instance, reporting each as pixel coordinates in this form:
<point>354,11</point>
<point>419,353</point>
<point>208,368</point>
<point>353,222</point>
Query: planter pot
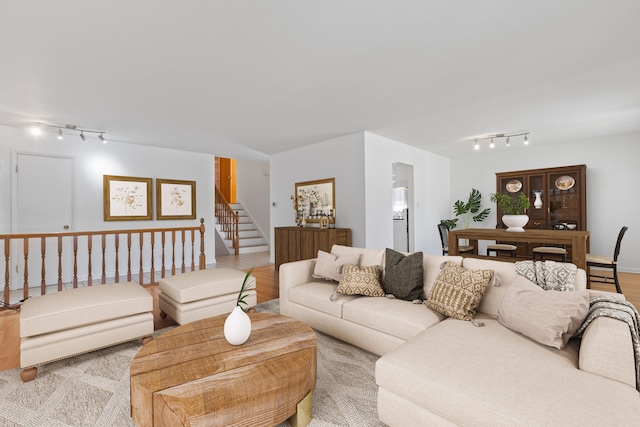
<point>237,327</point>
<point>515,223</point>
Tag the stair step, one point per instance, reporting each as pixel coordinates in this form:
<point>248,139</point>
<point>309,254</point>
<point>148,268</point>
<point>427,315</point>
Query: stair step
<point>252,249</point>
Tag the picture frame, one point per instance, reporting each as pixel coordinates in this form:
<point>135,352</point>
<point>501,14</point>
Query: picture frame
<point>126,198</point>
<point>317,199</point>
<point>175,199</point>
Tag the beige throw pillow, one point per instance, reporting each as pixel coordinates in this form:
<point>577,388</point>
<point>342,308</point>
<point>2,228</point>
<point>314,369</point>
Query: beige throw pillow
<point>329,266</point>
<point>360,281</point>
<point>548,317</point>
<point>457,291</point>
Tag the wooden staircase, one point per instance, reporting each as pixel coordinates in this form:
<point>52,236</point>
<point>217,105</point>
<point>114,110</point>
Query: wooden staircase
<point>236,228</point>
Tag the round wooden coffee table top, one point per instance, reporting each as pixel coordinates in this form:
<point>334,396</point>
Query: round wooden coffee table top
<point>192,375</point>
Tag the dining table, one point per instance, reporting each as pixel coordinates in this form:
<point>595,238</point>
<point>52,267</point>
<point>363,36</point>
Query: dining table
<point>577,239</point>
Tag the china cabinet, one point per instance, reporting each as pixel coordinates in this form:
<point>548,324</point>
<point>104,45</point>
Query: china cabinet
<point>556,194</point>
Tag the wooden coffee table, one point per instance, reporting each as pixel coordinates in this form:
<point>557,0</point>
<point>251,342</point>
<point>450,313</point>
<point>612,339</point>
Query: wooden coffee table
<point>190,375</point>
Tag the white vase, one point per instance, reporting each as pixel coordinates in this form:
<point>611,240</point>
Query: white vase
<point>537,203</point>
<point>515,223</point>
<point>237,327</point>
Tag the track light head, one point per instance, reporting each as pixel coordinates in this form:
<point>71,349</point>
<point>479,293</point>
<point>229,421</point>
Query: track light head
<point>476,145</point>
<point>59,133</point>
<point>492,145</point>
<point>508,143</point>
<point>526,139</point>
<point>101,138</point>
<point>82,137</point>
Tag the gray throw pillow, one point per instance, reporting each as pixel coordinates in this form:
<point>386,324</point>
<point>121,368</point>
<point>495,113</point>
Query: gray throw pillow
<point>403,275</point>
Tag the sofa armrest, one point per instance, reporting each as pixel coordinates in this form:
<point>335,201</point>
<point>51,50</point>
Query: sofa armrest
<point>607,350</point>
<point>294,274</point>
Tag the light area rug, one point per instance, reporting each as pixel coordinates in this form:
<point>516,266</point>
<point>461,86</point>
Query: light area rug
<point>93,389</point>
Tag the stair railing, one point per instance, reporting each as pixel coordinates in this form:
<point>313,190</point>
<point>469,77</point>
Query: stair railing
<point>228,220</point>
<point>61,258</point>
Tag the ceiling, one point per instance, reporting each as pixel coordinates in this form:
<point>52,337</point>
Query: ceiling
<point>249,79</point>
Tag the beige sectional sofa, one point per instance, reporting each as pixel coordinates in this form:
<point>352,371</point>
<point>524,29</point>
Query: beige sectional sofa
<point>440,371</point>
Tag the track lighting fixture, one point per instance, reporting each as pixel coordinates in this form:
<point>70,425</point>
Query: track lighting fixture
<point>36,129</point>
<point>476,144</point>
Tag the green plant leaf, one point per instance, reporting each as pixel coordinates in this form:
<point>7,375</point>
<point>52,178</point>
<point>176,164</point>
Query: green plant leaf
<point>242,295</point>
<point>459,208</point>
<point>475,200</point>
<point>451,223</point>
<point>482,215</point>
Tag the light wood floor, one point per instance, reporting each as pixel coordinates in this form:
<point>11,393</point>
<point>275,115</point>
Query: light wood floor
<point>266,288</point>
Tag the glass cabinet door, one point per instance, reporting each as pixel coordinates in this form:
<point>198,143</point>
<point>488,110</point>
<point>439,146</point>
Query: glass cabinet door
<point>538,197</point>
<point>564,198</point>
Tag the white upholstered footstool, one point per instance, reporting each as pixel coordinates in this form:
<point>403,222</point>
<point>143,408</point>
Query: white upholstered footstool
<point>196,295</point>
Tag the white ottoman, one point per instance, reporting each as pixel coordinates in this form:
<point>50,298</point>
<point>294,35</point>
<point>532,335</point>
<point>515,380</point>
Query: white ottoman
<point>196,295</point>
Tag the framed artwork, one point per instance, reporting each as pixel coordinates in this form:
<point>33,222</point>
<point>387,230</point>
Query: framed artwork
<point>126,198</point>
<point>175,199</point>
<point>316,199</point>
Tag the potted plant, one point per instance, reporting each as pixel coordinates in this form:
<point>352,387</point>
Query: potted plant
<point>513,210</point>
<point>466,211</point>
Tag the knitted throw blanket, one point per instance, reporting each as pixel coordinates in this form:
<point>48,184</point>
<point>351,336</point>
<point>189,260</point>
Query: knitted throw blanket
<point>624,311</point>
<point>549,275</point>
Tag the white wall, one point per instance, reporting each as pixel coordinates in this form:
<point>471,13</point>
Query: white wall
<point>431,193</point>
<point>340,158</point>
<point>362,166</point>
<point>92,160</point>
<point>252,189</point>
<point>613,176</point>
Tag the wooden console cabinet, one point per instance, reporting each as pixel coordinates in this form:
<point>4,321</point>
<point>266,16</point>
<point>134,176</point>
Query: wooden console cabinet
<point>295,243</point>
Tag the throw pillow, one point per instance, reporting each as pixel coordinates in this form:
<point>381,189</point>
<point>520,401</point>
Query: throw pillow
<point>403,275</point>
<point>457,291</point>
<point>360,281</point>
<point>548,317</point>
<point>329,266</point>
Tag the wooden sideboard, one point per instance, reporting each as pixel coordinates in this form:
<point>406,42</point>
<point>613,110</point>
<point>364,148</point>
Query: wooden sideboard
<point>295,243</point>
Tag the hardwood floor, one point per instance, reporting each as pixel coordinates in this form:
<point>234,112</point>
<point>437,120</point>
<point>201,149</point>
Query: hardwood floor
<point>267,288</point>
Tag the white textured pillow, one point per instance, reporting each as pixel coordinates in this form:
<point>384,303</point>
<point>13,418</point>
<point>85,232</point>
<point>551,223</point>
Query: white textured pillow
<point>329,266</point>
<point>548,317</point>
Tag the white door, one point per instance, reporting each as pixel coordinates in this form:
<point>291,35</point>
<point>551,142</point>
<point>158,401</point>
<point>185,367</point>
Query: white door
<point>43,204</point>
<point>44,194</point>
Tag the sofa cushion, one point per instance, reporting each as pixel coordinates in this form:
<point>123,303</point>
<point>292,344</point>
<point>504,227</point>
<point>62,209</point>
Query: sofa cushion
<point>549,275</point>
<point>360,281</point>
<point>367,256</point>
<point>392,316</point>
<point>329,266</point>
<point>403,275</point>
<point>457,291</point>
<point>492,376</point>
<point>317,295</point>
<point>492,298</point>
<point>431,266</point>
<point>548,317</point>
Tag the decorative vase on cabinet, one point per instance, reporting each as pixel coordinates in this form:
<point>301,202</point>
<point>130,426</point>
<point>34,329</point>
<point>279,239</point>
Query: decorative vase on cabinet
<point>537,203</point>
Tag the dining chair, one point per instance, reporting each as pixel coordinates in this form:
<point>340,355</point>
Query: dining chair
<point>444,239</point>
<point>498,248</point>
<point>551,250</point>
<point>602,261</point>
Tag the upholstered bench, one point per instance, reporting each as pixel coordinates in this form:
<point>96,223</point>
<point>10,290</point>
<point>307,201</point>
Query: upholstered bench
<point>196,295</point>
<point>64,324</point>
